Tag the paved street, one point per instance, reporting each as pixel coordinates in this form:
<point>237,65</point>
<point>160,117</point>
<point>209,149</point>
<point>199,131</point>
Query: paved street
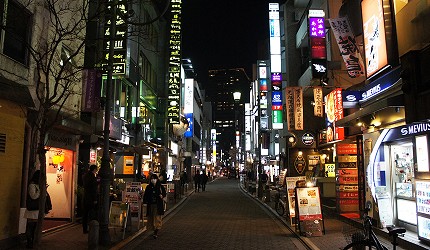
<point>222,217</point>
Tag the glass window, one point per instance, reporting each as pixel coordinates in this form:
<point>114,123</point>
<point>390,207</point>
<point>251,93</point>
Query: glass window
<point>17,32</point>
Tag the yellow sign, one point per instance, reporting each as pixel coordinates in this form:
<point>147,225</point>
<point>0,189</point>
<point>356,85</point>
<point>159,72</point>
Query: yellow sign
<point>128,164</point>
<point>329,169</point>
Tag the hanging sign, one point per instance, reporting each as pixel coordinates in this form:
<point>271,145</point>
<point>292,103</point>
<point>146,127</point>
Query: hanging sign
<point>348,46</point>
<point>308,139</point>
<point>318,102</point>
<point>289,103</point>
<point>300,164</point>
<point>298,108</point>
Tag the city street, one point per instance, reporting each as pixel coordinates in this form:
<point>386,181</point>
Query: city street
<point>222,217</point>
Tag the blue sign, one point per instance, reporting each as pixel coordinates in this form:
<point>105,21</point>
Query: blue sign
<point>380,85</point>
<point>350,98</point>
<point>277,98</point>
<point>407,130</point>
<point>189,132</point>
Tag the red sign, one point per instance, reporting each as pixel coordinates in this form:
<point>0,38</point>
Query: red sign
<point>348,179</point>
<point>346,149</point>
<point>348,194</point>
<point>348,202</point>
<point>318,48</point>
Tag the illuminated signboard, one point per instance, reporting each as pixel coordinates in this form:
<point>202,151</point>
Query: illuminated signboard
<point>188,95</point>
<point>334,112</point>
<point>213,143</point>
<point>174,79</point>
<point>316,27</point>
<point>317,43</point>
<point>263,85</point>
<point>120,43</point>
<point>189,132</point>
<point>374,36</point>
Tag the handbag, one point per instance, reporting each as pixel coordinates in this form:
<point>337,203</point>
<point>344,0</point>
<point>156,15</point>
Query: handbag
<point>32,204</point>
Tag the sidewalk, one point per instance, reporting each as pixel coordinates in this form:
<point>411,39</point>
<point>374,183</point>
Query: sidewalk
<point>70,236</point>
<point>338,230</point>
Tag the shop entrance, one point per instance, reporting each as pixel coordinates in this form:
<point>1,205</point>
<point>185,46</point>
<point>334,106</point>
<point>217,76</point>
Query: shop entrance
<point>402,184</point>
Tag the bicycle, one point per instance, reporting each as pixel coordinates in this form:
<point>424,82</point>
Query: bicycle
<point>279,203</point>
<point>368,238</point>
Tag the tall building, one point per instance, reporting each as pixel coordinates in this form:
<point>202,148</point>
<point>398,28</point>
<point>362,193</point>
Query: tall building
<point>221,85</point>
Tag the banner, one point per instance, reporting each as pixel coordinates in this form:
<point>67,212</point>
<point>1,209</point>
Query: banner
<point>348,46</point>
<point>298,108</point>
<point>289,103</point>
<point>318,102</point>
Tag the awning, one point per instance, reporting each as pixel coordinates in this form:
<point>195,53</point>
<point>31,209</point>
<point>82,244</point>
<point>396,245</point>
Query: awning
<point>15,92</point>
<point>349,120</point>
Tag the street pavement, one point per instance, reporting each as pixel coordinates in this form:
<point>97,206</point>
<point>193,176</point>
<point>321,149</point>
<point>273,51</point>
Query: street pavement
<point>222,217</point>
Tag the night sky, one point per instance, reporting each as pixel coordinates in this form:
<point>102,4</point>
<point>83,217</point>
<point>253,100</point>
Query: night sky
<point>221,34</point>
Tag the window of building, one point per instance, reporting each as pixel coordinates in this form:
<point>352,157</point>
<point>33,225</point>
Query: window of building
<point>15,38</point>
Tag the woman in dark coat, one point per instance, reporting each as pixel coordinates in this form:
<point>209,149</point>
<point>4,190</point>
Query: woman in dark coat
<point>153,197</point>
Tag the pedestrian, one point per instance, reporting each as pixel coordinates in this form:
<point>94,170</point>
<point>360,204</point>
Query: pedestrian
<point>197,181</point>
<point>163,176</point>
<point>154,198</point>
<point>204,180</point>
<point>90,197</point>
<point>32,211</point>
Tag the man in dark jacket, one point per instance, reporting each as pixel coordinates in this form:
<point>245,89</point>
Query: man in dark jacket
<point>90,197</point>
<point>154,198</point>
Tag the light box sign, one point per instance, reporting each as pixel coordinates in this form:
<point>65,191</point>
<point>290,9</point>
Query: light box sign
<point>316,27</point>
<point>276,99</point>
<point>189,132</point>
<point>318,102</point>
<point>298,108</point>
<point>374,36</point>
<point>277,119</point>
<point>174,68</point>
<point>263,85</point>
<point>213,143</point>
<point>289,104</point>
<point>189,95</point>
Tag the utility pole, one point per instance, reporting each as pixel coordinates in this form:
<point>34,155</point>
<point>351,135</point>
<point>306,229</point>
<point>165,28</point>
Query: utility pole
<point>105,171</point>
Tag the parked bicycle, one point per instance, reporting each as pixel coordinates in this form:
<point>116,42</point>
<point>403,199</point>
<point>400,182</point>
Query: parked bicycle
<point>368,240</point>
<point>280,202</point>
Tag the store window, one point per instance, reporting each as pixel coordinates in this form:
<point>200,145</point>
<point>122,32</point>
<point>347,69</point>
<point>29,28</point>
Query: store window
<point>402,162</point>
<point>16,35</point>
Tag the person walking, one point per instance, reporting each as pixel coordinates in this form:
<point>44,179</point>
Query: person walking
<point>32,211</point>
<point>204,181</point>
<point>163,176</point>
<point>197,181</point>
<point>154,198</point>
<point>90,197</point>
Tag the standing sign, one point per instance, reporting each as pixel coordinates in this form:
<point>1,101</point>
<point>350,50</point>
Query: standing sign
<point>309,211</point>
<point>118,215</point>
<point>291,195</point>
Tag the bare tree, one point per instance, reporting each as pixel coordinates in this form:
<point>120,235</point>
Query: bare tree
<point>55,59</point>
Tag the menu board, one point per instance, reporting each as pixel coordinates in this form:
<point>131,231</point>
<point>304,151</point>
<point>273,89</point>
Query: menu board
<point>347,182</point>
<point>291,185</point>
<point>309,206</point>
<point>282,178</point>
<point>423,197</point>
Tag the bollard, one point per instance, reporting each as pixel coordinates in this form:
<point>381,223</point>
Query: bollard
<point>93,234</point>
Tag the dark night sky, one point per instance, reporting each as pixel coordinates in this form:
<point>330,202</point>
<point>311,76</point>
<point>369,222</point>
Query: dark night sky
<point>221,34</point>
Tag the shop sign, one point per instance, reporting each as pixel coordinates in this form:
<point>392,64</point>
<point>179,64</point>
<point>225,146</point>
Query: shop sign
<point>348,202</point>
<point>407,130</point>
<point>61,140</point>
<point>348,188</point>
<point>263,85</point>
<point>318,102</point>
<point>374,36</point>
<point>347,158</point>
<point>348,179</point>
<point>174,68</point>
<point>289,104</point>
<point>300,164</point>
<point>330,170</point>
<point>350,98</point>
<point>128,167</point>
<point>348,172</point>
<point>308,139</point>
<point>348,195</point>
<point>348,46</point>
<point>346,149</point>
<point>298,108</point>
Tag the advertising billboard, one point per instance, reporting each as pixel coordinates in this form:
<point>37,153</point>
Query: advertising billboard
<point>374,36</point>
